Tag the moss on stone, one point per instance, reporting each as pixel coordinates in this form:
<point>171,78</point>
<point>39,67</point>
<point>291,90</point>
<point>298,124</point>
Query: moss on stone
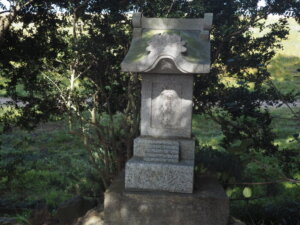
<point>197,48</point>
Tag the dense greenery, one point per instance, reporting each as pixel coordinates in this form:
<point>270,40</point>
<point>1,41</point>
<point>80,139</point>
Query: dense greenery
<point>50,158</point>
<point>65,58</point>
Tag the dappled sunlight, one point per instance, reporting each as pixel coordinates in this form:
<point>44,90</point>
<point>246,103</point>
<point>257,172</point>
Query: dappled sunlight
<point>284,67</point>
<point>288,185</point>
<point>285,126</point>
<point>291,46</point>
<point>285,73</point>
<point>206,131</point>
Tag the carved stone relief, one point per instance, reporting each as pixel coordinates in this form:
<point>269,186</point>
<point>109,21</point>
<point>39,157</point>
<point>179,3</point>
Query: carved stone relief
<point>166,106</point>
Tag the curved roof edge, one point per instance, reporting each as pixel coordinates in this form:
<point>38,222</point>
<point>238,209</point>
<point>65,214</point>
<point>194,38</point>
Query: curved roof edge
<point>183,41</point>
<point>182,66</point>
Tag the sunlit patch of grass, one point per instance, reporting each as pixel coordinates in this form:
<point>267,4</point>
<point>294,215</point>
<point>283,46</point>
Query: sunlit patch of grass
<point>284,124</point>
<point>284,66</point>
<point>285,73</point>
<point>291,46</point>
<point>206,131</point>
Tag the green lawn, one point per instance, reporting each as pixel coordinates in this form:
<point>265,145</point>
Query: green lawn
<point>51,164</point>
<point>278,202</point>
<point>285,66</point>
<point>48,164</point>
<point>52,159</point>
<point>284,125</point>
<point>285,74</point>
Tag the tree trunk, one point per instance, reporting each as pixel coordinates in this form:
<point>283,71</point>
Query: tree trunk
<point>6,22</point>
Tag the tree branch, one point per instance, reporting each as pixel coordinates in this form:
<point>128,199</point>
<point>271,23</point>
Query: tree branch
<point>6,22</point>
<point>5,11</point>
<point>170,8</point>
<point>80,7</point>
<point>83,72</point>
<point>268,182</point>
<point>247,199</point>
<point>28,3</point>
<point>282,99</point>
<point>57,87</point>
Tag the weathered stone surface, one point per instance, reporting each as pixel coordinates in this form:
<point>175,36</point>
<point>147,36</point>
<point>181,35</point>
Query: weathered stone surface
<point>235,221</point>
<point>166,105</point>
<point>94,216</point>
<point>162,151</point>
<point>172,177</point>
<point>165,66</point>
<point>167,52</point>
<point>207,206</point>
<point>186,146</point>
<point>172,34</point>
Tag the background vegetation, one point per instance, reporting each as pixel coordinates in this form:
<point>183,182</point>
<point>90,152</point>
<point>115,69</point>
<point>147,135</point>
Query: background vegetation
<point>60,64</point>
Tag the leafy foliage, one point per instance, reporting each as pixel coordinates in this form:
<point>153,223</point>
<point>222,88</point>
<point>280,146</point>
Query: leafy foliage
<point>284,213</point>
<point>68,64</point>
<point>47,159</point>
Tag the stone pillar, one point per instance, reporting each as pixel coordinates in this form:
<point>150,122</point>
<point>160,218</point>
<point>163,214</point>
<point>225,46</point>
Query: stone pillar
<point>164,153</point>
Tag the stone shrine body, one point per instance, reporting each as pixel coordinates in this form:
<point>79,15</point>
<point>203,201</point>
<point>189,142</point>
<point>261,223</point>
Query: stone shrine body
<point>159,177</point>
<point>167,53</point>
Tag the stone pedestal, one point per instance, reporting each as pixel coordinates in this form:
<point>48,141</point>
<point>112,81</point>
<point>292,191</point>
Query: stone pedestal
<point>173,177</point>
<point>206,206</point>
<point>161,164</point>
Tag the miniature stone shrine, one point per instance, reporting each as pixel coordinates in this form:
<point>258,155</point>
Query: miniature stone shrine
<point>159,178</point>
<point>167,52</point>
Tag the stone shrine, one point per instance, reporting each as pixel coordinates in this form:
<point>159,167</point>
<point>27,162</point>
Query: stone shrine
<point>159,178</point>
<point>167,52</point>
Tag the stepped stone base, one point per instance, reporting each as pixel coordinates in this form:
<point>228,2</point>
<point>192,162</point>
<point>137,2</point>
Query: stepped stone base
<point>172,177</point>
<point>206,206</point>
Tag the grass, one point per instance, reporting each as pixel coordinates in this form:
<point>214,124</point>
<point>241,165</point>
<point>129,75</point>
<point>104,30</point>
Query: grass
<point>284,125</point>
<point>48,164</point>
<point>280,202</point>
<point>285,66</point>
<point>206,131</point>
<point>52,159</point>
<point>291,45</point>
<point>285,74</point>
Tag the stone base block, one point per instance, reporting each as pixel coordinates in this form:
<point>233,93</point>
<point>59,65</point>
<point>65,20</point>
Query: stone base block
<point>206,206</point>
<point>172,177</point>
